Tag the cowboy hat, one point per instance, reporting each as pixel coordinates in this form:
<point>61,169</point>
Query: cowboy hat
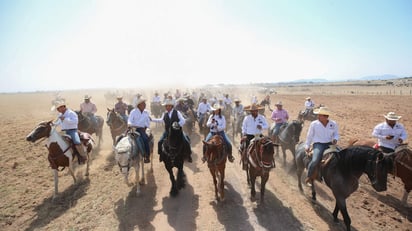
<point>87,97</point>
<point>60,104</point>
<point>236,100</point>
<point>279,103</point>
<point>168,102</point>
<point>181,100</point>
<point>307,98</point>
<point>119,97</point>
<point>140,100</point>
<point>253,107</point>
<point>217,107</point>
<point>322,111</point>
<point>392,116</point>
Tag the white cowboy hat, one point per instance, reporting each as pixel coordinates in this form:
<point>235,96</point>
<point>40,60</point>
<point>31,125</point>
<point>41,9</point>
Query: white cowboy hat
<point>307,98</point>
<point>322,111</point>
<point>236,100</point>
<point>87,97</point>
<point>119,97</point>
<point>60,104</point>
<point>168,102</point>
<point>278,103</point>
<point>217,107</point>
<point>392,116</point>
<point>140,100</point>
<point>253,107</point>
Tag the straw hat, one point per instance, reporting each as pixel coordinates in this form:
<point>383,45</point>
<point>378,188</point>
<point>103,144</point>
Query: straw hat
<point>217,107</point>
<point>253,107</point>
<point>279,103</point>
<point>181,99</point>
<point>236,100</point>
<point>87,97</point>
<point>168,102</point>
<point>60,104</point>
<point>119,97</point>
<point>392,116</point>
<point>307,98</point>
<point>140,100</point>
<point>322,111</point>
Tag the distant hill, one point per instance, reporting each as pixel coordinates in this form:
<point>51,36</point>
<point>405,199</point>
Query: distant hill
<point>379,77</point>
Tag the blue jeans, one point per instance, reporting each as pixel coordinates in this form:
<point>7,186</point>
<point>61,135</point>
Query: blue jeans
<point>318,149</point>
<point>74,135</point>
<point>144,140</point>
<point>277,128</point>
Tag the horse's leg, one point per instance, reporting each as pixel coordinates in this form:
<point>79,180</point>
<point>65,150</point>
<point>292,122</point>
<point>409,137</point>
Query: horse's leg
<point>247,174</point>
<point>313,191</point>
<point>222,183</point>
<point>87,165</point>
<point>173,190</point>
<point>284,154</point>
<point>341,204</point>
<point>140,162</point>
<point>252,186</point>
<point>136,170</point>
<point>180,176</point>
<point>264,179</point>
<point>213,172</point>
<point>56,183</point>
<point>71,169</point>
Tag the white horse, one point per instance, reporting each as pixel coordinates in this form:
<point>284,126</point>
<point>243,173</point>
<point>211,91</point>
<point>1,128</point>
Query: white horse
<point>127,156</point>
<point>61,153</point>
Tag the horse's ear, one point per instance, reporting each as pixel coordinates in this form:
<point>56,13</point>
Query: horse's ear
<point>108,109</point>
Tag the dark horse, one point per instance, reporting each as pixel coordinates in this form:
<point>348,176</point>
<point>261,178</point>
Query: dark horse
<point>174,151</point>
<point>288,138</point>
<point>341,172</point>
<point>61,150</point>
<point>156,109</point>
<point>402,163</point>
<point>260,162</point>
<point>216,162</point>
<point>116,123</point>
<point>86,125</point>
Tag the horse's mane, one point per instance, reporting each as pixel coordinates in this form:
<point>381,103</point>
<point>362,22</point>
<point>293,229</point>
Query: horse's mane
<point>354,157</point>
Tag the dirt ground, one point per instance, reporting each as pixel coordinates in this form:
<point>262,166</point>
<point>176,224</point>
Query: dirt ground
<point>102,201</point>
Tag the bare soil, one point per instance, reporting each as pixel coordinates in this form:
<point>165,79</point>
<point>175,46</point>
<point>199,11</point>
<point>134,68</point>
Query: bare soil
<point>102,201</point>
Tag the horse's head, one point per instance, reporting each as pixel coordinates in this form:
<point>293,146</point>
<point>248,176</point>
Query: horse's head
<point>265,150</point>
<point>112,115</point>
<point>214,148</point>
<point>123,151</point>
<point>377,169</point>
<point>296,130</point>
<point>42,130</point>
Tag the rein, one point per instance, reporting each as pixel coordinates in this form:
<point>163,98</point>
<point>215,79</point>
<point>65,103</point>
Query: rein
<point>259,156</point>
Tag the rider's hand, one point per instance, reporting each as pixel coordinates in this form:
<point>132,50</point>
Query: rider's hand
<point>334,141</point>
<point>259,126</point>
<point>400,140</point>
<point>243,138</point>
<point>389,137</point>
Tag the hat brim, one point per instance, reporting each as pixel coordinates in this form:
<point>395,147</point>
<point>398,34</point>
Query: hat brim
<point>393,118</point>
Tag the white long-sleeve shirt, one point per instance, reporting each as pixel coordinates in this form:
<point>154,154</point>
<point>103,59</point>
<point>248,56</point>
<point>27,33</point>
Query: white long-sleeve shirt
<point>218,125</point>
<point>70,120</point>
<point>383,129</point>
<point>138,118</point>
<point>318,133</point>
<point>203,108</point>
<point>249,125</point>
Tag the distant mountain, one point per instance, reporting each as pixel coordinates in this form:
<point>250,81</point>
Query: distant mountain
<point>310,81</point>
<point>379,77</point>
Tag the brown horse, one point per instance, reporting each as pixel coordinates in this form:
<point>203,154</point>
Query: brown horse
<point>116,123</point>
<point>402,163</point>
<point>260,162</point>
<point>61,150</point>
<point>216,161</point>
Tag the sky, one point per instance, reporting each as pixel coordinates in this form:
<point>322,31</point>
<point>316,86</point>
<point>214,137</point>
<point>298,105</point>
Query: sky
<point>48,45</point>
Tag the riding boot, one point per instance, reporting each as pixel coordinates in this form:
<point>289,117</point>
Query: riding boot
<point>229,153</point>
<point>82,153</point>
